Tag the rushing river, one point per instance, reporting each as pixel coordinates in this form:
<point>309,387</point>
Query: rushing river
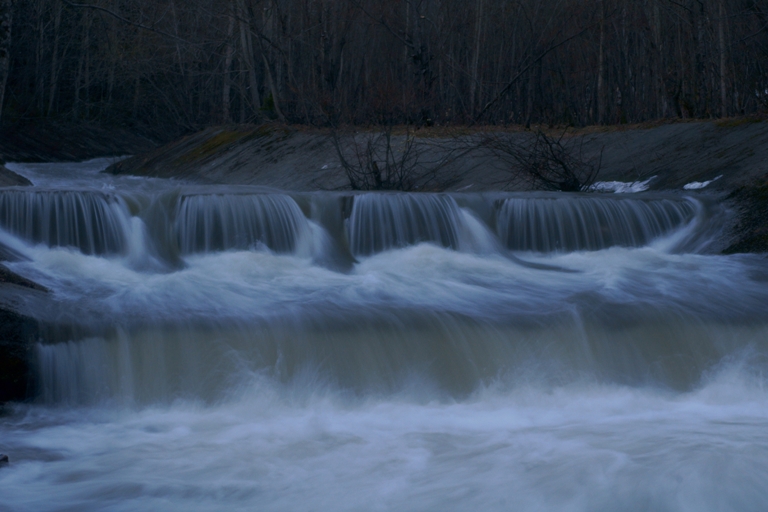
<point>229,348</point>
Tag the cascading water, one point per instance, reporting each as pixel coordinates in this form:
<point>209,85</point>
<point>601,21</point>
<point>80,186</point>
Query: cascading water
<point>388,221</point>
<point>384,351</point>
<point>562,224</point>
<point>206,223</point>
<point>92,222</point>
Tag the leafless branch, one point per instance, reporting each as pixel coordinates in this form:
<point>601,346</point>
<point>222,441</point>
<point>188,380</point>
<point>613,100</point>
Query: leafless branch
<point>385,161</point>
<point>545,162</point>
<point>125,20</point>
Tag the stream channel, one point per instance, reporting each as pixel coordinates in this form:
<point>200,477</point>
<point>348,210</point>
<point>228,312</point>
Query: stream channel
<point>236,348</point>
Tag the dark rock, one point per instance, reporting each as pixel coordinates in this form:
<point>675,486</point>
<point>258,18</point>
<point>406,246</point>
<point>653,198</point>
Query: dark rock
<point>751,233</point>
<point>17,335</point>
<point>9,178</point>
<point>10,254</point>
<point>18,332</point>
<point>4,460</point>
<point>30,314</point>
<point>6,276</point>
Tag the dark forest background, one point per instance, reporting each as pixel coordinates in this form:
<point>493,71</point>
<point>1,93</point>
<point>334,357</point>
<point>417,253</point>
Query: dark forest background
<point>186,64</point>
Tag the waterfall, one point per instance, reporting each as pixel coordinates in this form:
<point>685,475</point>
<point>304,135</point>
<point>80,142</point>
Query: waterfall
<point>241,349</point>
<point>587,223</point>
<point>220,222</point>
<point>379,222</point>
<point>98,223</point>
<point>93,222</point>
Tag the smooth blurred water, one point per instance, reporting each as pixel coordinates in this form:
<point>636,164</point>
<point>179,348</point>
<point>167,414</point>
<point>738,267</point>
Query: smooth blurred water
<point>253,350</point>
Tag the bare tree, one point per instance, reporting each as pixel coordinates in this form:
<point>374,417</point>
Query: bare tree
<point>376,161</point>
<point>383,160</point>
<point>545,162</point>
<point>172,64</point>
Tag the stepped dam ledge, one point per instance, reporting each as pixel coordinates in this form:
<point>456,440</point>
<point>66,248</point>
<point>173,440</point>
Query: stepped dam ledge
<point>447,350</point>
<point>189,221</point>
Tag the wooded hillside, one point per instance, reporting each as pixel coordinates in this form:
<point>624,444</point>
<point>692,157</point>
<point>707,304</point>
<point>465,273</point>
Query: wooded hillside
<point>192,63</point>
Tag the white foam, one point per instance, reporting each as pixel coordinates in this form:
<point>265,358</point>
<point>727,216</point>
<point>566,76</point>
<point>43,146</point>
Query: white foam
<point>575,448</point>
<point>696,185</point>
<point>256,284</point>
<point>621,187</point>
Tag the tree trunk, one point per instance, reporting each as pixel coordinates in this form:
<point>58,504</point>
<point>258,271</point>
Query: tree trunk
<point>185,81</point>
<point>137,80</point>
<point>601,100</point>
<point>6,22</point>
<point>228,53</point>
<point>82,63</point>
<point>723,68</point>
<point>246,44</point>
<point>268,68</point>
<point>658,63</point>
<point>476,56</point>
<point>87,77</point>
<point>529,97</point>
<point>54,58</point>
<point>272,88</point>
<point>39,49</point>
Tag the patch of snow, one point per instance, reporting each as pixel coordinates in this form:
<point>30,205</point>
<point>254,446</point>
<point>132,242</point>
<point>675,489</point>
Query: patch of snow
<point>620,187</point>
<point>696,185</point>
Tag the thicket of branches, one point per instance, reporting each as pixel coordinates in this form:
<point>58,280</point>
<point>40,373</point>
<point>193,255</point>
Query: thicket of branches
<point>544,162</point>
<point>374,161</point>
<point>192,63</point>
<point>383,160</point>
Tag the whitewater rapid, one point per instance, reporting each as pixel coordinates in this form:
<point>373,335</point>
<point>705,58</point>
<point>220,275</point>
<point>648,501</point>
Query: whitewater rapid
<point>245,349</point>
